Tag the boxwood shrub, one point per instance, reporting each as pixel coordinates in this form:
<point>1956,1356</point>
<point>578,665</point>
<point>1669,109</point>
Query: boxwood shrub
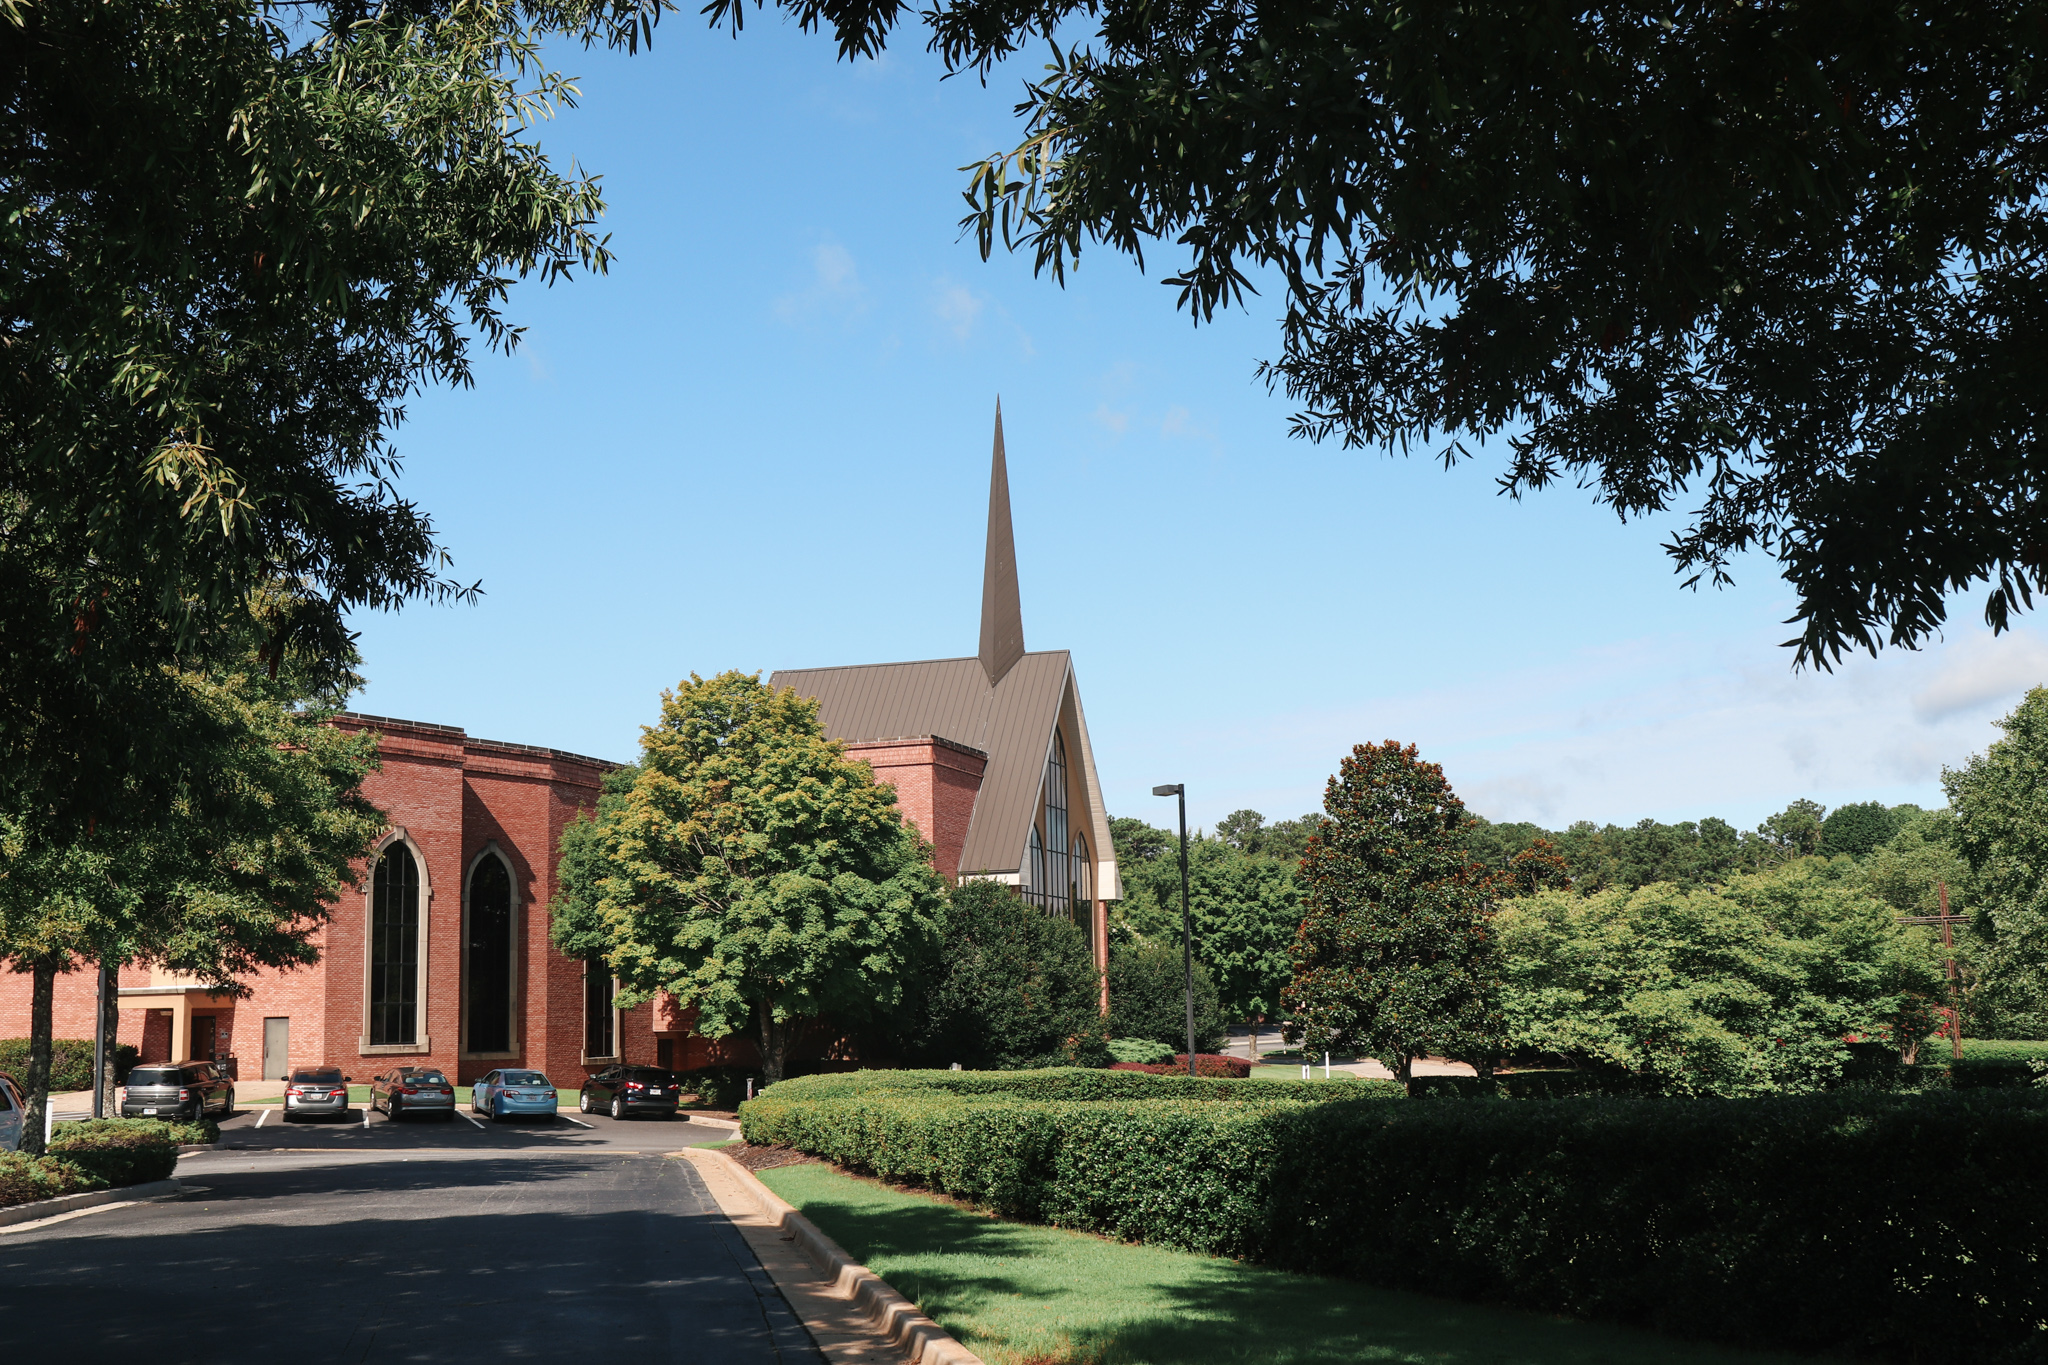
<point>1906,1225</point>
<point>119,1151</point>
<point>1068,1083</point>
<point>70,1061</point>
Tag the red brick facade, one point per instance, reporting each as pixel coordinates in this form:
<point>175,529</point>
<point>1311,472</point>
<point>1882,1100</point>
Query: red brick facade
<point>936,782</point>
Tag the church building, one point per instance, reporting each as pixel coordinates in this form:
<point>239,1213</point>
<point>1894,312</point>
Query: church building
<point>441,957</point>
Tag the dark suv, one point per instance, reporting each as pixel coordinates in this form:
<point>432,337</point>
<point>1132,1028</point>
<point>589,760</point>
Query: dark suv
<point>625,1090</point>
<point>177,1090</point>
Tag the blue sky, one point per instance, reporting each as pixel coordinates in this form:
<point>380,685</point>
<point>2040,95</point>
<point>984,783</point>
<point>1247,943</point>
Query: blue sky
<point>762,441</point>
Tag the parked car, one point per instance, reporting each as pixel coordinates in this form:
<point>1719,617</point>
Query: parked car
<point>626,1090</point>
<point>413,1090</point>
<point>509,1092</point>
<point>177,1090</point>
<point>316,1092</point>
<point>13,1104</point>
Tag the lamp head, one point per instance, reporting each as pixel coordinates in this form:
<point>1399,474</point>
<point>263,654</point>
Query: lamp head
<point>1170,789</point>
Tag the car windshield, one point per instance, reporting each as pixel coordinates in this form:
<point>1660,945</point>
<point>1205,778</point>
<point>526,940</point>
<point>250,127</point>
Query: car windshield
<point>523,1078</point>
<point>316,1078</point>
<point>154,1076</point>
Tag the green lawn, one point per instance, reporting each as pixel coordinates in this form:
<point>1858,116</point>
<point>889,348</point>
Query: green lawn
<point>1293,1073</point>
<point>1023,1295</point>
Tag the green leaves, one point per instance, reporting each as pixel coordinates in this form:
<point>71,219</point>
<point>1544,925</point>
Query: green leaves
<point>2000,804</point>
<point>750,870</point>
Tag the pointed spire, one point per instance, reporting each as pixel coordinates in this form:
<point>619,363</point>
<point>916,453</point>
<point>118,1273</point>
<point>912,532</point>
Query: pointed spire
<point>1002,615</point>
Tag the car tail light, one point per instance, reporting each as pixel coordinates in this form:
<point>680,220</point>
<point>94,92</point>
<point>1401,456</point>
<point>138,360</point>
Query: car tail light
<point>634,1085</point>
<point>184,1094</point>
<point>411,1090</point>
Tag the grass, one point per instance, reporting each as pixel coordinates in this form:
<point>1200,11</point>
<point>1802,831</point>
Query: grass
<point>1025,1295</point>
<point>1293,1073</point>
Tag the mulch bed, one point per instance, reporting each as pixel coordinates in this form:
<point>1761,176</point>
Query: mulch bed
<point>768,1156</point>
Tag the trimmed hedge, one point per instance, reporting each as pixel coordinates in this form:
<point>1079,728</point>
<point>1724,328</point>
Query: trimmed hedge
<point>1536,1085</point>
<point>1910,1225</point>
<point>120,1151</point>
<point>25,1179</point>
<point>1988,1061</point>
<point>70,1061</point>
<point>1068,1083</point>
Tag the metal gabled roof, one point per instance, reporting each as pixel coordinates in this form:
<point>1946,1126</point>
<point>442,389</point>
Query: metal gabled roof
<point>1011,722</point>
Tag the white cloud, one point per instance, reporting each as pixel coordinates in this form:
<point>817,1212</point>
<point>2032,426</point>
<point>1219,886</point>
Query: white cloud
<point>958,308</point>
<point>1110,420</point>
<point>835,290</point>
<point>1985,668</point>
<point>1674,727</point>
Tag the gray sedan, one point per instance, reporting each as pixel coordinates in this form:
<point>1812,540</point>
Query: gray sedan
<point>413,1090</point>
<point>316,1092</point>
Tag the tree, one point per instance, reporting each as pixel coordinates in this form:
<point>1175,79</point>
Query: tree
<point>1148,997</point>
<point>1757,987</point>
<point>1009,987</point>
<point>1491,223</point>
<point>1395,957</point>
<point>756,874</point>
<point>1857,829</point>
<point>1138,843</point>
<point>266,829</point>
<point>2000,801</point>
<point>240,236</point>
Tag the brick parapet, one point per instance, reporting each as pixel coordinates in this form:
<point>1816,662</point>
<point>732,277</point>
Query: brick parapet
<point>937,781</point>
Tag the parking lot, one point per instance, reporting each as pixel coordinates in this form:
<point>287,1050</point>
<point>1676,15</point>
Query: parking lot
<point>422,1240</point>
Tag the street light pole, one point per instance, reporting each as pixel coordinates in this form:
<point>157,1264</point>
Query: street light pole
<point>1187,924</point>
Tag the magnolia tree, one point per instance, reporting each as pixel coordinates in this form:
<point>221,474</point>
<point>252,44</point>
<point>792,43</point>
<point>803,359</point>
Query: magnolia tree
<point>1396,957</point>
<point>751,871</point>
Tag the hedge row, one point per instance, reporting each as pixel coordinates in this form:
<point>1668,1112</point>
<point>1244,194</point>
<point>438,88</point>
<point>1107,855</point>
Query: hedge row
<point>25,1179</point>
<point>1070,1083</point>
<point>1911,1225</point>
<point>70,1061</point>
<point>119,1151</point>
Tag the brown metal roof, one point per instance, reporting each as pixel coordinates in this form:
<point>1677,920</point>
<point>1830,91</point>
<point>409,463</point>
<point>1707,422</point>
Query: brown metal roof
<point>1011,722</point>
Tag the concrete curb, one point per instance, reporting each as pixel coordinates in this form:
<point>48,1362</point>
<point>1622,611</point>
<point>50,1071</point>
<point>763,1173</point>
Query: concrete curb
<point>922,1341</point>
<point>726,1124</point>
<point>71,1203</point>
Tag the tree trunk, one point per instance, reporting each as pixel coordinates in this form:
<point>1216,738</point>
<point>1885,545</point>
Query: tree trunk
<point>774,1043</point>
<point>43,977</point>
<point>1404,1072</point>
<point>111,1019</point>
<point>1484,1066</point>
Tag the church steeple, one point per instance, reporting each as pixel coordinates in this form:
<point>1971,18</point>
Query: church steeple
<point>1002,614</point>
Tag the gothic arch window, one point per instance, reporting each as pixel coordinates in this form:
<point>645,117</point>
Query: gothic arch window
<point>394,985</point>
<point>1083,874</point>
<point>488,956</point>
<point>1058,892</point>
<point>600,1012</point>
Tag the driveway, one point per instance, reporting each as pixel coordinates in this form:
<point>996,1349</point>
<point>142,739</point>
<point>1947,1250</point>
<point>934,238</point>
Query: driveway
<point>416,1241</point>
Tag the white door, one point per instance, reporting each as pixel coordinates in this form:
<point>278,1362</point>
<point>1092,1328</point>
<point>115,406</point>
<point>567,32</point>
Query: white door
<point>277,1051</point>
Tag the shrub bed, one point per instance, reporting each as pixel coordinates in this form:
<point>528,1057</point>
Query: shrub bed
<point>120,1151</point>
<point>25,1179</point>
<point>1907,1225</point>
<point>1989,1062</point>
<point>1066,1083</point>
<point>1206,1064</point>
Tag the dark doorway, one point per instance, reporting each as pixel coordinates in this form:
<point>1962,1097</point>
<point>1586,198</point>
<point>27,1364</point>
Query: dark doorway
<point>205,1037</point>
<point>489,991</point>
<point>665,1053</point>
<point>597,1010</point>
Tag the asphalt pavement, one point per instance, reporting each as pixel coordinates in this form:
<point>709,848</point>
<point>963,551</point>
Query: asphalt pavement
<point>422,1240</point>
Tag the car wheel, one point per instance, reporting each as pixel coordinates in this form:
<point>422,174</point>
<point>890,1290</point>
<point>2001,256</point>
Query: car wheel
<point>618,1108</point>
<point>583,1102</point>
<point>227,1111</point>
<point>391,1108</point>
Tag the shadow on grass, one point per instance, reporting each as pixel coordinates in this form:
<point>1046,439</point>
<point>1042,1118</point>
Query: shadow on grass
<point>1023,1295</point>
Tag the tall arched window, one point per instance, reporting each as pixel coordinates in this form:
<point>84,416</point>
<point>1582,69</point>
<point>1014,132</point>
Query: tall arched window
<point>395,948</point>
<point>488,992</point>
<point>1058,894</point>
<point>1083,873</point>
<point>598,1034</point>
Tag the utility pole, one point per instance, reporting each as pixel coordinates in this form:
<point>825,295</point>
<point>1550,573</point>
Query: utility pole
<point>1955,989</point>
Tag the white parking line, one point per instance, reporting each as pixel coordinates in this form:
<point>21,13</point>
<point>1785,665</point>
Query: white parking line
<point>262,1116</point>
<point>366,1116</point>
<point>578,1122</point>
<point>472,1121</point>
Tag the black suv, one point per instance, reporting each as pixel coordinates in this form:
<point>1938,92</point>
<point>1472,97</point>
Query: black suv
<point>625,1090</point>
<point>177,1090</point>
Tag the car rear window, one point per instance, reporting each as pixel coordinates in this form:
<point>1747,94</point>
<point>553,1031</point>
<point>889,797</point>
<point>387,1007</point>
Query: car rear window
<point>155,1075</point>
<point>426,1078</point>
<point>317,1077</point>
<point>524,1078</point>
<point>644,1074</point>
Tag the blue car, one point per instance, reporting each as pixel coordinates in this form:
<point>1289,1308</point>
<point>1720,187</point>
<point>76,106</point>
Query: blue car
<point>503,1094</point>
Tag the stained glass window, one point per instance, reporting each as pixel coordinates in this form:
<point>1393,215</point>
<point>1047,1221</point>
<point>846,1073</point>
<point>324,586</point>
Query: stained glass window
<point>395,948</point>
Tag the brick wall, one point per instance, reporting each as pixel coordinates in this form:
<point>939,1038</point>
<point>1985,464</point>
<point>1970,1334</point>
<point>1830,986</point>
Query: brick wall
<point>936,782</point>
